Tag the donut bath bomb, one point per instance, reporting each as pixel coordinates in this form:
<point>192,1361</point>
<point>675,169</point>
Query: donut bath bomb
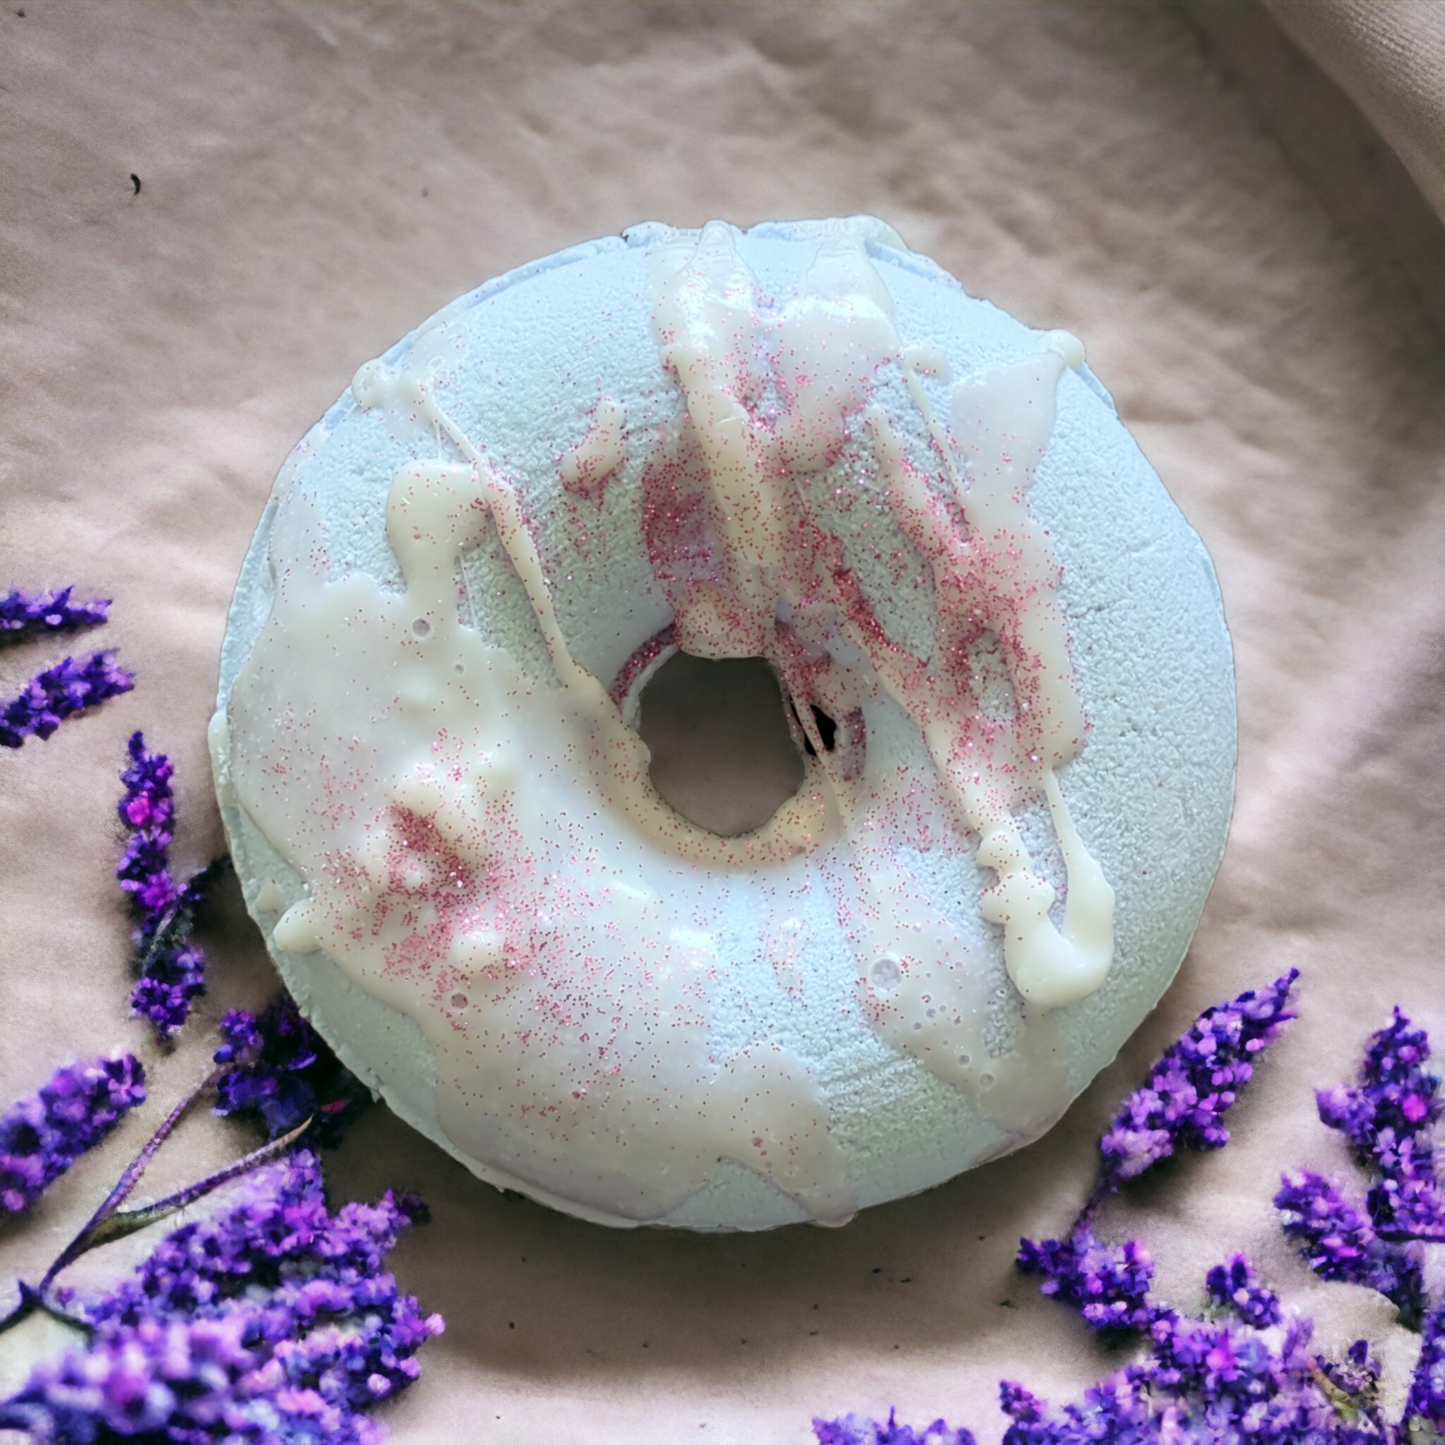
<point>508,599</point>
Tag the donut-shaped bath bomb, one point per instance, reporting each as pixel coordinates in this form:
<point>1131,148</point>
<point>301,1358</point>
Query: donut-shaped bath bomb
<point>795,475</point>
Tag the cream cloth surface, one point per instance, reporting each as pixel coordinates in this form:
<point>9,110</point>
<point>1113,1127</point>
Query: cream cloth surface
<point>1261,293</point>
<point>1390,60</point>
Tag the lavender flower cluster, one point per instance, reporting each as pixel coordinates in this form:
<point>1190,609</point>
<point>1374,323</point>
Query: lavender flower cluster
<point>1212,1382</point>
<point>43,1135</point>
<point>1387,1117</point>
<point>1107,1284</point>
<point>273,1322</point>
<point>1190,1090</point>
<point>172,969</point>
<point>1243,1374</point>
<point>22,615</point>
<point>70,686</point>
<point>1234,1285</point>
<point>279,1069</point>
<point>860,1430</point>
<point>1193,1086</point>
<point>53,695</point>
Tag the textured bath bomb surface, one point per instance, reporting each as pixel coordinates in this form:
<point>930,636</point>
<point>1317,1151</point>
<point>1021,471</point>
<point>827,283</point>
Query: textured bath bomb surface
<point>1008,679</point>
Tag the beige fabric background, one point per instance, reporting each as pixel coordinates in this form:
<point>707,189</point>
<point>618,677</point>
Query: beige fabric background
<point>1260,283</point>
<point>1389,59</point>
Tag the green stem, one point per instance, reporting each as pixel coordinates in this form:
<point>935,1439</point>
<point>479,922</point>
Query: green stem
<point>123,1186</point>
<point>110,1222</point>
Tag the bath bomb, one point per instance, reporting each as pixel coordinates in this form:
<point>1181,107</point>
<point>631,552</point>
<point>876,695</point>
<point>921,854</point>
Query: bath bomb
<point>724,728</point>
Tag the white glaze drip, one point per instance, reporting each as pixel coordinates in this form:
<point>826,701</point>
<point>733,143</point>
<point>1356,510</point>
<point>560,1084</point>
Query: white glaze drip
<point>825,345</point>
<point>586,467</point>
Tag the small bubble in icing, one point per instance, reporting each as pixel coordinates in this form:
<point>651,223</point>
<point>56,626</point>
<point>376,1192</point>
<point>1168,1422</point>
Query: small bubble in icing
<point>421,627</point>
<point>459,668</point>
<point>886,974</point>
<point>458,1000</point>
<point>965,1060</point>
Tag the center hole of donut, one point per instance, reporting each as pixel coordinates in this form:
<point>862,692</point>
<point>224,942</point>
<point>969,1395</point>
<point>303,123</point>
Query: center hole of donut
<point>722,752</point>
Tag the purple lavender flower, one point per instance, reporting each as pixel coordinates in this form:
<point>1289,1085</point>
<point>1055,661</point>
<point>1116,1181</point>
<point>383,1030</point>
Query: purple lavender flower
<point>1115,1411</point>
<point>172,968</point>
<point>1189,1091</point>
<point>282,1071</point>
<point>1228,1373</point>
<point>1193,1085</point>
<point>23,616</point>
<point>52,696</point>
<point>1245,1376</point>
<point>43,1135</point>
<point>1221,1382</point>
<point>1235,1285</point>
<point>274,1321</point>
<point>1107,1284</point>
<point>1388,1119</point>
<point>1426,1400</point>
<point>147,811</point>
<point>136,1386</point>
<point>860,1430</point>
<point>1338,1242</point>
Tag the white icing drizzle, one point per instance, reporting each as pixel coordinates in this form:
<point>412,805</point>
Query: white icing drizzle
<point>587,466</point>
<point>497,899</point>
<point>484,851</point>
<point>839,330</point>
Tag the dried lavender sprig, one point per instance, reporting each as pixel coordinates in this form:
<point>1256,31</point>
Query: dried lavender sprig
<point>274,1321</point>
<point>171,967</point>
<point>279,1069</point>
<point>1395,1089</point>
<point>1228,1371</point>
<point>332,1093</point>
<point>1190,1089</point>
<point>1338,1242</point>
<point>1388,1119</point>
<point>1216,1381</point>
<point>1107,1284</point>
<point>24,615</point>
<point>853,1429</point>
<point>111,1221</point>
<point>1252,1378</point>
<point>147,811</point>
<point>1235,1285</point>
<point>1426,1400</point>
<point>39,1297</point>
<point>43,1135</point>
<point>53,695</point>
<point>1116,1409</point>
<point>1225,1381</point>
<point>1193,1086</point>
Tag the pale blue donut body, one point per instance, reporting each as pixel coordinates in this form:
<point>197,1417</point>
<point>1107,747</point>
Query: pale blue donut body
<point>530,355</point>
